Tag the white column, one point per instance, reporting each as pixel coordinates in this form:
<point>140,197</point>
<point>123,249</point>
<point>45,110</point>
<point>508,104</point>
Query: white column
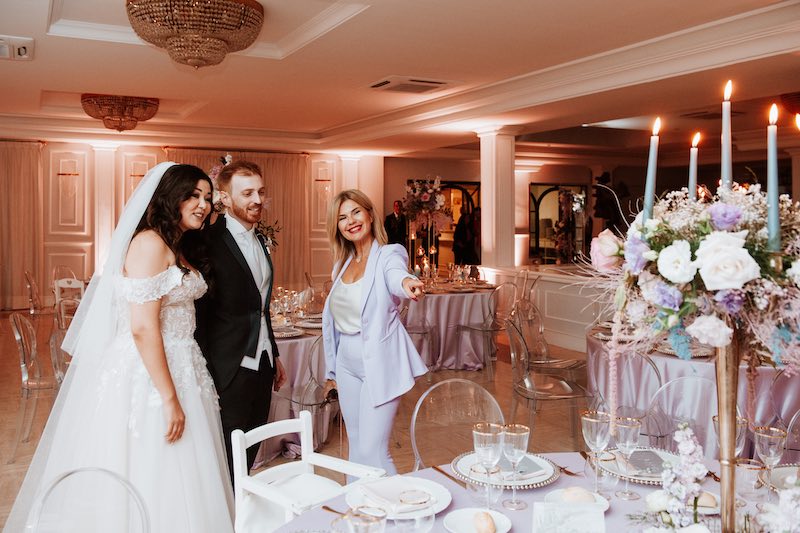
<point>497,196</point>
<point>104,185</point>
<point>795,153</point>
<point>349,172</point>
<point>370,180</point>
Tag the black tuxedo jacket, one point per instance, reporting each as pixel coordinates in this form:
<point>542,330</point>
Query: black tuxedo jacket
<point>229,315</point>
<point>395,228</point>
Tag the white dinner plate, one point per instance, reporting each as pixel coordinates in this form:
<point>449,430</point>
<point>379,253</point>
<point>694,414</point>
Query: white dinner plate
<point>310,324</point>
<point>440,495</point>
<point>463,520</point>
<point>557,496</point>
<point>615,469</point>
<point>284,332</point>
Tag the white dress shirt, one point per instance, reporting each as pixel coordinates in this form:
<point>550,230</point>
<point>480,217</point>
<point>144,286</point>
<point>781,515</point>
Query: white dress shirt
<point>253,253</point>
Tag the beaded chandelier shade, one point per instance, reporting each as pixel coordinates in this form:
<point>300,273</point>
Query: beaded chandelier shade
<point>197,33</point>
<point>119,112</point>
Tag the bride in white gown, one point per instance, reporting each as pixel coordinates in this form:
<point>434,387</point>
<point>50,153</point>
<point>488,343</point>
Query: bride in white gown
<point>138,399</point>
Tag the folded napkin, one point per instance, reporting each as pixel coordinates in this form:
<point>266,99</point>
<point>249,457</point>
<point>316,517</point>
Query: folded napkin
<point>385,493</point>
<point>643,463</point>
<point>526,470</point>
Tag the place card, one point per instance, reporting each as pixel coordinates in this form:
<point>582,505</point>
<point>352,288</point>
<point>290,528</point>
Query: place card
<point>526,468</point>
<point>561,517</point>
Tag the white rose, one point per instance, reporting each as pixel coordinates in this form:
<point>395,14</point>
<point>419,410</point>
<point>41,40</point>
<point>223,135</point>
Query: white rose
<point>708,329</point>
<point>657,501</point>
<point>675,262</point>
<point>794,273</point>
<point>728,268</point>
<point>608,243</point>
<point>718,240</point>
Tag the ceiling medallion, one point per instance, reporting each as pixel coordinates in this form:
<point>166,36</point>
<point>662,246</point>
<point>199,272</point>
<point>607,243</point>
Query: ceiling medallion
<point>197,33</point>
<point>119,112</point>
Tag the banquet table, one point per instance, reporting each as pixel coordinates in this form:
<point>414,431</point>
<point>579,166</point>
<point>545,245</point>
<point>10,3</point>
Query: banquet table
<point>294,353</point>
<point>522,521</point>
<point>443,311</point>
<point>672,367</point>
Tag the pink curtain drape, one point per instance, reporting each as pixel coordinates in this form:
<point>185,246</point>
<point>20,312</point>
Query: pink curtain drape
<point>20,220</point>
<point>287,178</point>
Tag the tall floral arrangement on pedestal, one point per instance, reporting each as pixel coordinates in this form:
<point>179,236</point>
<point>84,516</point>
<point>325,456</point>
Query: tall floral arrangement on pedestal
<point>424,204</point>
<point>698,270</point>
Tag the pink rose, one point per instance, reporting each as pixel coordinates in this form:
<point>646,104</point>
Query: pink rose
<point>605,251</point>
<point>425,197</point>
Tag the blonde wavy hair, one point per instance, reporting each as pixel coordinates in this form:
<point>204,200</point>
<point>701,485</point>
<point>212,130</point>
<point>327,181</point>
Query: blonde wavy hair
<point>341,248</point>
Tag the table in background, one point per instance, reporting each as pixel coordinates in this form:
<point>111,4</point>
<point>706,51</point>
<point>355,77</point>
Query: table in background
<point>522,521</point>
<point>444,312</point>
<point>294,354</point>
<point>672,367</point>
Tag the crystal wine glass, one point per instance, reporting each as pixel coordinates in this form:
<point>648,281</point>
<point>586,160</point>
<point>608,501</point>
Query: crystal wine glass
<point>485,484</point>
<point>515,447</point>
<point>596,433</point>
<point>741,432</point>
<point>627,437</point>
<point>487,440</point>
<point>770,443</point>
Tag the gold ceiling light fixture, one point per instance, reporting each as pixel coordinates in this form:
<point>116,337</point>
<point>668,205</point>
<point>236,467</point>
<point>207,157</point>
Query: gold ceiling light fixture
<point>197,33</point>
<point>119,112</point>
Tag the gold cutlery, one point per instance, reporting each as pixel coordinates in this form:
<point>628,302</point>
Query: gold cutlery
<point>452,478</point>
<point>567,471</point>
<point>332,510</point>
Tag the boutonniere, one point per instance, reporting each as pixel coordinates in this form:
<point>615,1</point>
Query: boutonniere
<point>267,233</point>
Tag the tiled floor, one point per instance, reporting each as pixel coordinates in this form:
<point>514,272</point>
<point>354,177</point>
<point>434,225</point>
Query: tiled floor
<point>551,431</point>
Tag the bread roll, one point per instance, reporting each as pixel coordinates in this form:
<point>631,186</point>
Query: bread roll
<point>707,499</point>
<point>484,523</point>
<point>577,495</point>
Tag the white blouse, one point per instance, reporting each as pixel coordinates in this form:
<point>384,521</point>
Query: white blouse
<point>345,306</point>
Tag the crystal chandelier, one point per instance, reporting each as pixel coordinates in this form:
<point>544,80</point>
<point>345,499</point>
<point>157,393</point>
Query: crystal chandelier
<point>119,112</point>
<point>197,32</point>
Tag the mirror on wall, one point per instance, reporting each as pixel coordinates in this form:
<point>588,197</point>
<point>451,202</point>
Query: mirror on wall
<point>557,223</point>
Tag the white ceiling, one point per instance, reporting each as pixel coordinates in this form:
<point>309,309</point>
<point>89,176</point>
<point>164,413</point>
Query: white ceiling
<point>304,85</point>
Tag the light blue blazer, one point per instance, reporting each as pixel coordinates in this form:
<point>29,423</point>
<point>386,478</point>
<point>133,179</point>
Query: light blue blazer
<point>391,361</point>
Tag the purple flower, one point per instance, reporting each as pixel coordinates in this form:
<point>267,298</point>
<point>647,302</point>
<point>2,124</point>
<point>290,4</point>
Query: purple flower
<point>724,216</point>
<point>667,296</point>
<point>635,248</point>
<point>730,300</point>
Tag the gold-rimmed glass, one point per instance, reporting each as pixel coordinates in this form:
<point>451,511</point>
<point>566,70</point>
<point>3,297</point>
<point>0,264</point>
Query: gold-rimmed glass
<point>596,426</point>
<point>770,443</point>
<point>626,433</point>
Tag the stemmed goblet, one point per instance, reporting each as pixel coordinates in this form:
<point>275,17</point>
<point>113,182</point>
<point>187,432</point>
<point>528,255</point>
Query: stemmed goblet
<point>627,436</point>
<point>741,432</point>
<point>770,443</point>
<point>596,427</point>
<point>487,441</point>
<point>515,447</point>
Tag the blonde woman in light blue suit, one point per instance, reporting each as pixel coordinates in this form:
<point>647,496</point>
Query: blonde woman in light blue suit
<point>369,357</point>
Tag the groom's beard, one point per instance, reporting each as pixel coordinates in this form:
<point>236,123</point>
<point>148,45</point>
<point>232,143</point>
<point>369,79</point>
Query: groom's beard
<point>252,215</point>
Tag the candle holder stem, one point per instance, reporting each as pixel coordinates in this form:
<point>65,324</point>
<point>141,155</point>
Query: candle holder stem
<point>727,368</point>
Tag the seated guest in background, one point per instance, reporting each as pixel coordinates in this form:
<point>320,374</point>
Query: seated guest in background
<point>369,357</point>
<point>395,225</point>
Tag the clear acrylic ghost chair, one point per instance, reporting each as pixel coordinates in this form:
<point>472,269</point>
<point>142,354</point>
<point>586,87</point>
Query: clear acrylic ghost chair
<point>784,396</point>
<point>529,322</point>
<point>35,304</point>
<point>67,288</point>
<point>537,390</point>
<point>638,379</point>
<point>441,424</point>
<point>323,409</point>
<point>419,327</point>
<point>792,453</point>
<point>273,496</point>
<point>35,381</point>
<point>127,510</point>
<point>65,312</point>
<point>688,399</point>
<point>58,357</point>
<point>62,272</point>
<point>499,307</point>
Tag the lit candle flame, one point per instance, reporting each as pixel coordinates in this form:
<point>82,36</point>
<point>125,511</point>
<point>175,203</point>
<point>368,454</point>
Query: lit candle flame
<point>797,120</point>
<point>728,90</point>
<point>656,125</point>
<point>696,140</point>
<point>773,115</point>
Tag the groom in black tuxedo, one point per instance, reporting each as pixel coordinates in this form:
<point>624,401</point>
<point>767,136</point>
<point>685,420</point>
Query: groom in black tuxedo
<point>234,329</point>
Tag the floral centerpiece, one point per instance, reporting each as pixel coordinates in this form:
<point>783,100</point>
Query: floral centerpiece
<point>783,517</point>
<point>698,270</point>
<point>215,170</point>
<point>424,204</point>
<point>674,508</point>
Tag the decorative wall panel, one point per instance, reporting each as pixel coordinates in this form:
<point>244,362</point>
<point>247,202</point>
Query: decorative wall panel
<point>66,193</point>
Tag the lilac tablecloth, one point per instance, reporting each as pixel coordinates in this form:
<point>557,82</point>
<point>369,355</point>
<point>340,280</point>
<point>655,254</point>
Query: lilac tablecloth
<point>642,385</point>
<point>444,312</point>
<point>522,521</point>
<point>294,357</point>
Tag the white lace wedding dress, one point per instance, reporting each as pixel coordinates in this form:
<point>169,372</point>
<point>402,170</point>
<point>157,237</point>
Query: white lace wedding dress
<point>185,485</point>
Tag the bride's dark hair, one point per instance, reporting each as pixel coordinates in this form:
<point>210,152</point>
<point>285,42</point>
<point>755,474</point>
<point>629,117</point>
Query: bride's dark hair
<point>163,216</point>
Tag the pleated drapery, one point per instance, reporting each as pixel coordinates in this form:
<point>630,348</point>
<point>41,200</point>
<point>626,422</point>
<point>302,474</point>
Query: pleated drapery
<point>286,177</point>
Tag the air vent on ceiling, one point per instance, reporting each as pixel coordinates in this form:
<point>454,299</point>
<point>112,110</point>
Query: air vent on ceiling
<point>709,115</point>
<point>17,48</point>
<point>408,84</point>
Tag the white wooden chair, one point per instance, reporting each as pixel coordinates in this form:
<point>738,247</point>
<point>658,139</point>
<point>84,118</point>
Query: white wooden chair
<point>270,498</point>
